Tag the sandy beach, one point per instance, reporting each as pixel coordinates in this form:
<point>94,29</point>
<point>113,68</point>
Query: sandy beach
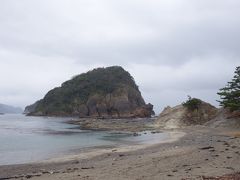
<point>191,153</point>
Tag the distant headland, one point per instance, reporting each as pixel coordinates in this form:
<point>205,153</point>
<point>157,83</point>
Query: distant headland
<point>7,109</point>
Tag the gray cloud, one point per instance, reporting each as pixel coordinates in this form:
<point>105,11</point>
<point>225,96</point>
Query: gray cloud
<point>173,48</point>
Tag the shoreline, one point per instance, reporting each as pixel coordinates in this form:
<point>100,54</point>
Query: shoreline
<point>201,152</point>
<point>82,154</point>
<point>87,153</point>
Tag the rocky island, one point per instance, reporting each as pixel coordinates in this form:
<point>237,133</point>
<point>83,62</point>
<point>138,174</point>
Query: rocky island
<point>101,93</point>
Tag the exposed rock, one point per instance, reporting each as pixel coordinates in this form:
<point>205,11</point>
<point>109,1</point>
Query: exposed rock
<point>179,116</point>
<point>145,111</point>
<point>114,124</point>
<point>225,119</point>
<point>31,108</point>
<point>104,92</point>
<point>232,114</point>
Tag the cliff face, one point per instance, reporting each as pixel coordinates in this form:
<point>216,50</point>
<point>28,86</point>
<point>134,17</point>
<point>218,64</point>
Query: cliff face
<point>31,108</point>
<point>179,116</point>
<point>103,92</point>
<point>225,119</point>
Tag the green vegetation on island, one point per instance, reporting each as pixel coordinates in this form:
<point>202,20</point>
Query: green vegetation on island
<point>102,92</point>
<point>192,103</point>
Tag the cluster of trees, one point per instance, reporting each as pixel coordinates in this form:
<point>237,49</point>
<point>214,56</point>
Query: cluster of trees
<point>229,95</point>
<point>192,103</point>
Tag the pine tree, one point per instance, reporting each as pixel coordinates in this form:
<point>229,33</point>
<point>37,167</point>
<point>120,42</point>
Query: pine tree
<point>230,95</point>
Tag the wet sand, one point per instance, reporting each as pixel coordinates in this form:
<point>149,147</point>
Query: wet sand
<point>201,153</point>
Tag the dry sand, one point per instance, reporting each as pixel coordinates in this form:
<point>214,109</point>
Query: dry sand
<point>202,152</point>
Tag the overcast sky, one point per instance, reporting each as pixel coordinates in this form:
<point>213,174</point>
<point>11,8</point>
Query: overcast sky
<point>173,48</point>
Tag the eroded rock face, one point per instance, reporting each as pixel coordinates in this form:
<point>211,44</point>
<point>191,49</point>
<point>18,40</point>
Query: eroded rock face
<point>203,114</point>
<point>104,92</point>
<point>225,119</point>
<point>115,107</point>
<point>31,108</point>
<point>179,116</point>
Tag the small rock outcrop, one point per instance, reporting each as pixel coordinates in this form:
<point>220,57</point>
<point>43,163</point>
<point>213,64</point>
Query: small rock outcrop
<point>103,92</point>
<point>225,119</point>
<point>181,115</point>
<point>31,108</point>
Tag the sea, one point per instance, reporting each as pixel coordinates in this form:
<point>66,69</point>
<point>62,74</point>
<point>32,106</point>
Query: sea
<point>27,139</point>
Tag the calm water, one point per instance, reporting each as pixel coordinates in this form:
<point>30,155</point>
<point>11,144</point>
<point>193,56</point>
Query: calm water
<point>27,139</point>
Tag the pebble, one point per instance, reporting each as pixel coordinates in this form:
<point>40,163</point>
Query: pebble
<point>85,168</point>
<point>136,134</point>
<point>206,148</point>
<point>44,171</point>
<point>76,162</point>
<point>28,176</point>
